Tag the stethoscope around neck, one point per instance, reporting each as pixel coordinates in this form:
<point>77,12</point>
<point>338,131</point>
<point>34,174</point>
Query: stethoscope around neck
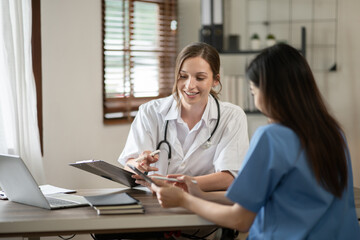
<point>207,144</point>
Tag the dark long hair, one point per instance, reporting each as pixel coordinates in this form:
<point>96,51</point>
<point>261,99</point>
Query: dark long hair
<point>206,52</point>
<point>291,97</point>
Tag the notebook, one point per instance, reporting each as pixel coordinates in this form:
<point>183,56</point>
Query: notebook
<point>20,186</point>
<point>116,203</point>
<point>114,199</point>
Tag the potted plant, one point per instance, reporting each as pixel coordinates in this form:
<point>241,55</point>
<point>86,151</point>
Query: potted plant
<point>270,40</point>
<point>255,41</point>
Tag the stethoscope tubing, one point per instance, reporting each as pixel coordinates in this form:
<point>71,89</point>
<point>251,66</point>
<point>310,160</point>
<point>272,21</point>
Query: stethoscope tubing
<point>209,139</point>
<point>165,141</point>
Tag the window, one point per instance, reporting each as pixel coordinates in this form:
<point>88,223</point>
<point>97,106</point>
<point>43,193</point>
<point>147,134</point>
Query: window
<point>139,46</point>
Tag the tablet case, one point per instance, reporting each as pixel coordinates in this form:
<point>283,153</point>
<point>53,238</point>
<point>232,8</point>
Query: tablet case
<point>107,170</point>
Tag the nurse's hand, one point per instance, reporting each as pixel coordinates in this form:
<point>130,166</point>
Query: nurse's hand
<point>168,195</point>
<point>181,183</point>
<point>188,184</point>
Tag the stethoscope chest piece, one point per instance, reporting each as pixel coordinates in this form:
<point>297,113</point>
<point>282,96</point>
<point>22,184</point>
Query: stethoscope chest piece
<point>207,144</point>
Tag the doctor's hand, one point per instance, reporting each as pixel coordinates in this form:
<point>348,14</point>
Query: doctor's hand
<point>144,165</point>
<point>139,180</point>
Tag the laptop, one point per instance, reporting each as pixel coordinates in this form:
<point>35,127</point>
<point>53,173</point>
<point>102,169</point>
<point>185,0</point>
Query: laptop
<point>20,186</point>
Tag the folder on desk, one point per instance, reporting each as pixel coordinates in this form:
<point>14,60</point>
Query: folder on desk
<point>107,170</point>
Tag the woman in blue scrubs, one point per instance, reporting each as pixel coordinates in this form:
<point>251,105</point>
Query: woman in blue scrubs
<point>296,180</point>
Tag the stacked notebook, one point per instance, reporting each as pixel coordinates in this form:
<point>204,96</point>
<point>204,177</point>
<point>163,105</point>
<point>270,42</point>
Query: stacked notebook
<point>119,203</point>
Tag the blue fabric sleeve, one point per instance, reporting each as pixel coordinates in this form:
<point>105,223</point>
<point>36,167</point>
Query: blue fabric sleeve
<point>262,170</point>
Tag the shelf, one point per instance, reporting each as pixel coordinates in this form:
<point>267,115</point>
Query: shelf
<point>321,45</point>
<point>267,23</point>
<point>252,112</point>
<point>249,51</point>
<point>241,52</point>
<point>246,51</point>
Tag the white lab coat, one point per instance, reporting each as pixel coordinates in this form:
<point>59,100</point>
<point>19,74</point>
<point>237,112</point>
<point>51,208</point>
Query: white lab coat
<point>230,141</point>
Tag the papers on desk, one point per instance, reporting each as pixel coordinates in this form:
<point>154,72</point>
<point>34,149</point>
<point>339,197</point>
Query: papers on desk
<point>117,203</point>
<point>50,189</point>
<point>46,189</point>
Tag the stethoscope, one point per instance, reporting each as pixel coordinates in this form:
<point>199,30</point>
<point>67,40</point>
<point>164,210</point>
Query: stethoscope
<point>207,144</point>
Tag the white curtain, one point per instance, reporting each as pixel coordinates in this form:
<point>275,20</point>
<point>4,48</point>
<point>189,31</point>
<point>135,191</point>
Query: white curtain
<point>19,133</point>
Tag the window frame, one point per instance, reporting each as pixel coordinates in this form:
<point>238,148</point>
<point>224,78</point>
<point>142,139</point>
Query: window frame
<point>37,64</point>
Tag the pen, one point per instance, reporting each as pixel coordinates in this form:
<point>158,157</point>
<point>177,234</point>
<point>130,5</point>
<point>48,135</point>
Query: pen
<point>143,157</point>
<point>170,179</point>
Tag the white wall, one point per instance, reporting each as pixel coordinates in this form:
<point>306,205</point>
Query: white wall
<point>72,86</point>
<point>344,87</point>
<point>72,94</point>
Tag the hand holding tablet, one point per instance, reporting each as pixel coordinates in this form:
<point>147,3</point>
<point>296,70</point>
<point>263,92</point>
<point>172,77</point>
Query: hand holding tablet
<point>137,171</point>
<point>170,179</point>
<point>148,178</point>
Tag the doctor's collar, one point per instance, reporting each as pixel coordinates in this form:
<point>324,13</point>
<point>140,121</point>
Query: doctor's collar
<point>169,109</point>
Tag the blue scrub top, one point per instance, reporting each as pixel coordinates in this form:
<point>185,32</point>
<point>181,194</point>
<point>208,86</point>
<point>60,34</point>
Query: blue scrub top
<point>275,182</point>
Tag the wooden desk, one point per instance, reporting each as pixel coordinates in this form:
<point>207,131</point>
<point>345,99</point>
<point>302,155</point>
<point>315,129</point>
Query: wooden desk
<point>26,221</point>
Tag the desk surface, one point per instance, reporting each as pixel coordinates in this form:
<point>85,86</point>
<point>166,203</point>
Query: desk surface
<point>27,221</point>
<point>22,220</point>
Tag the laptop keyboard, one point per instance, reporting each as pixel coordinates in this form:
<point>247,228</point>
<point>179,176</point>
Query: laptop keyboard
<point>56,202</point>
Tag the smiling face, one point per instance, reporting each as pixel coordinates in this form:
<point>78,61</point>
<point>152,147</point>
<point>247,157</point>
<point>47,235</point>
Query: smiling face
<point>195,82</point>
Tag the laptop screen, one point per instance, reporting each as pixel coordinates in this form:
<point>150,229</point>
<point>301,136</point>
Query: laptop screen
<point>18,183</point>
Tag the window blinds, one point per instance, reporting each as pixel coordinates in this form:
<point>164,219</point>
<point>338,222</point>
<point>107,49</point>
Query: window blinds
<point>139,46</point>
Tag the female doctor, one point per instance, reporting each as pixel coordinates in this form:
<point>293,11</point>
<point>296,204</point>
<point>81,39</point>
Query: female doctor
<point>197,134</point>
